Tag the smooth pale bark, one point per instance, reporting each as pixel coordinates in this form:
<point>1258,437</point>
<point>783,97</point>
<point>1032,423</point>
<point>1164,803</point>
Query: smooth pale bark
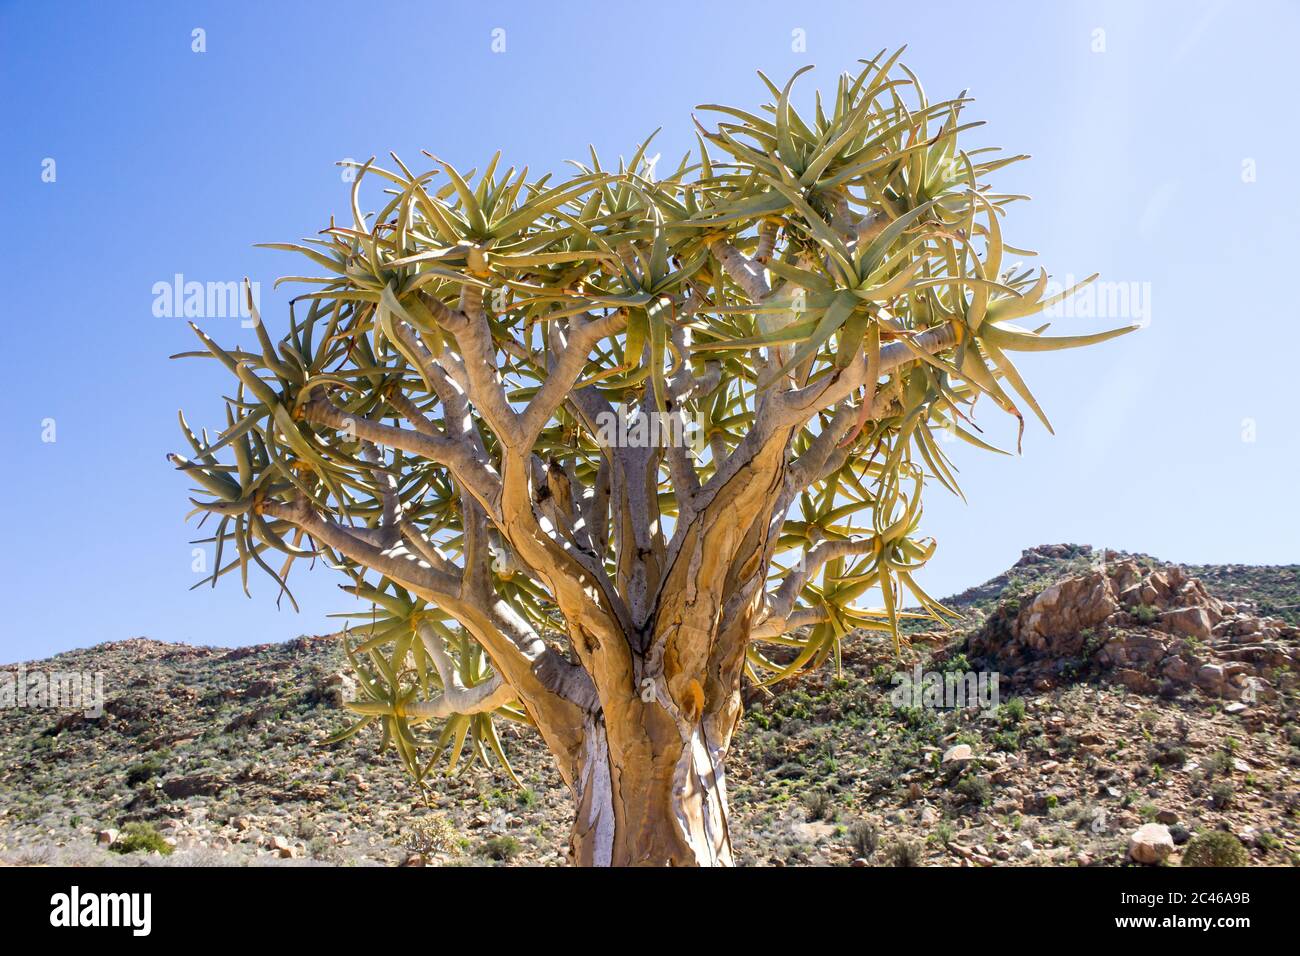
<point>647,798</point>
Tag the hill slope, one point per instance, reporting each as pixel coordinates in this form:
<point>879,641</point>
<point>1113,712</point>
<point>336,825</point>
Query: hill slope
<point>1128,675</point>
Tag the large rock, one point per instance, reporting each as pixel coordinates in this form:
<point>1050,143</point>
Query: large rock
<point>1178,670</point>
<point>1065,609</point>
<point>1134,680</point>
<point>1211,677</point>
<point>1134,648</point>
<point>198,784</point>
<point>1151,843</point>
<point>1192,621</point>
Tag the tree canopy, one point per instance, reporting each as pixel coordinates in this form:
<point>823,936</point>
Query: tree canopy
<point>806,306</point>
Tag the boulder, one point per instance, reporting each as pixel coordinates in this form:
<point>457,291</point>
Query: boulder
<point>198,784</point>
<point>1211,677</point>
<point>1066,608</point>
<point>1150,843</point>
<point>1190,621</point>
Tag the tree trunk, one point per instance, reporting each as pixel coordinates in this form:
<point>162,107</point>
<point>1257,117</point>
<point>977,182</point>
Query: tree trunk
<point>647,800</point>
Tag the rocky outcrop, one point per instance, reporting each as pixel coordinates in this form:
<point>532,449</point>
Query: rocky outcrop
<point>205,784</point>
<point>1145,629</point>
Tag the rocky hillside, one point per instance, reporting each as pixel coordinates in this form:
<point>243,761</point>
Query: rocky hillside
<point>1145,709</point>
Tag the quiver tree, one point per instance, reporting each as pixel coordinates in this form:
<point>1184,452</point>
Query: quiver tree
<point>595,452</point>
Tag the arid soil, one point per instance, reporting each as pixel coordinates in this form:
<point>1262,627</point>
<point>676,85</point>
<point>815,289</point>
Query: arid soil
<point>1130,693</point>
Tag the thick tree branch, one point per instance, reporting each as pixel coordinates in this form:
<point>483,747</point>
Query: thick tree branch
<point>570,352</point>
<point>456,698</point>
<point>444,451</point>
<point>482,379</point>
<point>745,272</point>
<point>553,691</point>
<point>354,543</point>
<point>775,626</point>
<point>787,594</point>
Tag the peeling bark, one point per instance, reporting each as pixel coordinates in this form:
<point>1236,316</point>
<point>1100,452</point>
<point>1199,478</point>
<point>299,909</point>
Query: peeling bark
<point>637,805</point>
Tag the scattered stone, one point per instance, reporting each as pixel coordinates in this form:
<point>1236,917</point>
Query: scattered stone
<point>958,754</point>
<point>1151,843</point>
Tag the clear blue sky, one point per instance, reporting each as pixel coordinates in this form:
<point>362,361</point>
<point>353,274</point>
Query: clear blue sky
<point>170,161</point>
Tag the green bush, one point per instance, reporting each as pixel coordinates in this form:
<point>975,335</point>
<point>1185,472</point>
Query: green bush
<point>864,837</point>
<point>141,836</point>
<point>1013,711</point>
<point>430,835</point>
<point>976,789</point>
<point>1215,849</point>
<point>820,805</point>
<point>1008,740</point>
<point>1145,614</point>
<point>502,848</point>
<point>905,852</point>
<point>138,773</point>
<point>1222,795</point>
<point>1219,765</point>
<point>957,664</point>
